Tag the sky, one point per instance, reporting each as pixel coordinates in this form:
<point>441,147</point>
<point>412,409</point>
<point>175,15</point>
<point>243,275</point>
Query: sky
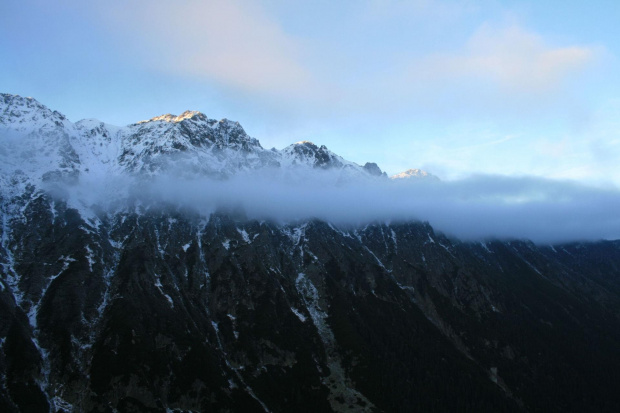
<point>458,88</point>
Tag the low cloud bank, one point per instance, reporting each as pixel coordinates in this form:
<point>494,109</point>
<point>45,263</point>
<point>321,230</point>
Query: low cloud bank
<point>480,207</point>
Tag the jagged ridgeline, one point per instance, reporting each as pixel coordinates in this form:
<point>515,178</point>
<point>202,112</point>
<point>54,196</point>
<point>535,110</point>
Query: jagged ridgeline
<point>113,298</point>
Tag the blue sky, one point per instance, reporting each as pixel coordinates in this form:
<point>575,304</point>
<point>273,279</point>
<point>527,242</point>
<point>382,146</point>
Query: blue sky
<point>454,87</point>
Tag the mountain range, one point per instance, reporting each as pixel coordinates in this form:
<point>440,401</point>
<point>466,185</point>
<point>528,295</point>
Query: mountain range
<point>113,299</point>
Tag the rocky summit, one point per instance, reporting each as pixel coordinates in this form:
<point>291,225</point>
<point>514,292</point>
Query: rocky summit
<point>141,305</point>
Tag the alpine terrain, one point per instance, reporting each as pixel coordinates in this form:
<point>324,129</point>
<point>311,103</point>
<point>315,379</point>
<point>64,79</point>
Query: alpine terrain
<point>114,298</point>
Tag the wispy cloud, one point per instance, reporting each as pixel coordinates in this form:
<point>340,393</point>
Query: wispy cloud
<point>233,42</point>
<point>512,57</point>
<point>356,62</point>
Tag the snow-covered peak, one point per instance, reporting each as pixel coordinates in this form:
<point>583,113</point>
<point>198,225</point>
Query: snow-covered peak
<point>93,124</point>
<point>25,115</point>
<point>39,144</point>
<point>35,145</point>
<point>196,124</point>
<point>415,174</point>
<point>305,154</point>
<point>190,130</point>
<point>308,154</point>
<point>97,130</point>
<point>188,114</point>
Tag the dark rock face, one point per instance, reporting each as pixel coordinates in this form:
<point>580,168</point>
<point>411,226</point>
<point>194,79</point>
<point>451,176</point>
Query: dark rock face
<point>160,309</point>
<point>373,169</point>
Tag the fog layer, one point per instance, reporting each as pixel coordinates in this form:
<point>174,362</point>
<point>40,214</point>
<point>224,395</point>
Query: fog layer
<point>479,207</point>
